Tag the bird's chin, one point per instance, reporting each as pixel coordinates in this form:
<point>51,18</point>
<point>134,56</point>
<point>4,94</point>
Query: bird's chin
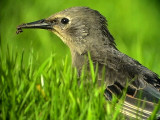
<point>49,29</point>
<point>57,33</point>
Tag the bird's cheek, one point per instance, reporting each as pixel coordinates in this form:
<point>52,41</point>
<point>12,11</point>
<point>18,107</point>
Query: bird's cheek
<point>56,27</point>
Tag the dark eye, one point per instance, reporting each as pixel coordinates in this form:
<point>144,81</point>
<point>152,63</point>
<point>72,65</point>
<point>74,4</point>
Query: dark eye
<point>64,20</point>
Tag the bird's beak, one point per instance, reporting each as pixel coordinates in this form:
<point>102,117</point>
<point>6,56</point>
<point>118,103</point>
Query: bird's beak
<point>41,24</point>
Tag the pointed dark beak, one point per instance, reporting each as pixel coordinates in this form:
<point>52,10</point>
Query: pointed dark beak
<point>41,24</point>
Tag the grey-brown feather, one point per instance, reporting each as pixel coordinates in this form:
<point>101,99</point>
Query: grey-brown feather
<point>90,33</point>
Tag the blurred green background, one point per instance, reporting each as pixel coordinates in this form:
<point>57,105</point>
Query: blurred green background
<point>135,25</point>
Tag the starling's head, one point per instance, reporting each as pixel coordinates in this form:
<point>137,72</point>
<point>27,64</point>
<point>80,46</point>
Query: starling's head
<point>78,27</point>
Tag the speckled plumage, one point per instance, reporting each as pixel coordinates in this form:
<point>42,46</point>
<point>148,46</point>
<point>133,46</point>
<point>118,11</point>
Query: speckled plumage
<point>87,31</point>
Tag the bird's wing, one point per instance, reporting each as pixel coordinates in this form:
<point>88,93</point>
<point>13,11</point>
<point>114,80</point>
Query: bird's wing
<point>142,84</point>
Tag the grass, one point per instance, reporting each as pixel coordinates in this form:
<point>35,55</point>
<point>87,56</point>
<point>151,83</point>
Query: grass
<point>49,91</point>
<point>52,92</point>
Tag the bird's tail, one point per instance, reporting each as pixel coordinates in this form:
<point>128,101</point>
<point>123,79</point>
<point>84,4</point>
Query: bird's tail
<point>139,109</point>
<point>133,107</point>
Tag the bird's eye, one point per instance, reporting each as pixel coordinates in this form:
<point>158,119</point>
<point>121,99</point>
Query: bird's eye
<point>64,20</point>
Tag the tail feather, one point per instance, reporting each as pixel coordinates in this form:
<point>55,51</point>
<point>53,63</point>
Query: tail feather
<point>138,108</point>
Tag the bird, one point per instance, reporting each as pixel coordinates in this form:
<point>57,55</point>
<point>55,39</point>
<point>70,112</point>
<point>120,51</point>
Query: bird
<point>85,32</point>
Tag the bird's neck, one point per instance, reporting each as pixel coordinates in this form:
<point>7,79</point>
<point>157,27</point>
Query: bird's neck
<point>81,58</point>
<point>78,60</point>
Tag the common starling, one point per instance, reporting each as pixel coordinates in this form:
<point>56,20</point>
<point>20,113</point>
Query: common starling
<point>85,30</point>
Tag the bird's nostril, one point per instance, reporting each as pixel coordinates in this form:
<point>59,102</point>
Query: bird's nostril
<point>53,21</point>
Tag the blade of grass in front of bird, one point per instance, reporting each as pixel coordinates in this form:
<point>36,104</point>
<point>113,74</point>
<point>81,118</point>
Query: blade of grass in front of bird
<point>93,75</point>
